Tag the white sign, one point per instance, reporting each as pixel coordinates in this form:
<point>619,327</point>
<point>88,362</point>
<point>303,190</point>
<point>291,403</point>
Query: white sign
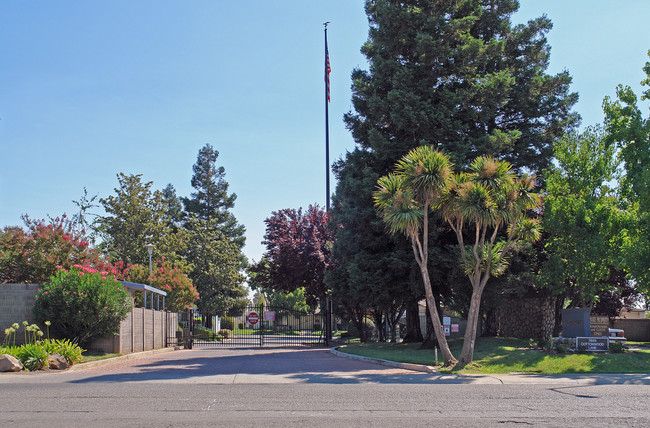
<point>446,320</point>
<point>269,316</point>
<point>447,333</point>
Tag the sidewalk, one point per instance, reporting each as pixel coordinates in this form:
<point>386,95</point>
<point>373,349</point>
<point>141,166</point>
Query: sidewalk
<point>511,378</point>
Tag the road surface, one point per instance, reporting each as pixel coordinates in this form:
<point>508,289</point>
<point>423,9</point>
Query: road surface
<point>308,387</point>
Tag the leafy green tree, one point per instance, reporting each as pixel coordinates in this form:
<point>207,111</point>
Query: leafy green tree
<point>582,216</point>
<point>217,267</point>
<point>211,200</point>
<point>284,303</point>
<point>135,216</point>
<point>629,132</point>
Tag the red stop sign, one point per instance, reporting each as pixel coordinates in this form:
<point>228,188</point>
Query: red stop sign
<point>253,318</point>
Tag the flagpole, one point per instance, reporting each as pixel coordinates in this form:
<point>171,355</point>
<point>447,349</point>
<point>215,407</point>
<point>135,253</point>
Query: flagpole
<point>327,126</point>
<point>328,302</point>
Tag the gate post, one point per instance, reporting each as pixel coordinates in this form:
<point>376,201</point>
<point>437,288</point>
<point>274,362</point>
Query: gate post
<point>328,321</point>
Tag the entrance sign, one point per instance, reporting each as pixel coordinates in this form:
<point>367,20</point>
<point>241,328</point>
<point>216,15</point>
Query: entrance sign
<point>599,325</point>
<point>593,344</point>
<point>253,318</point>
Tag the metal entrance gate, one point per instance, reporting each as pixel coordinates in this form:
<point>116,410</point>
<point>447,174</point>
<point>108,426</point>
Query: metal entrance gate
<point>259,326</point>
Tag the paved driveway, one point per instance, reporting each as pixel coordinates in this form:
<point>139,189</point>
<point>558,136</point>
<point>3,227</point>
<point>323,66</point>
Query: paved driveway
<point>235,365</point>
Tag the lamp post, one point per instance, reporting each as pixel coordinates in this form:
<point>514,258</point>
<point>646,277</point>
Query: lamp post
<point>150,250</point>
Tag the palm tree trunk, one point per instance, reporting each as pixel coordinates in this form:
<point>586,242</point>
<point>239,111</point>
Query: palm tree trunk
<point>447,356</point>
<point>467,354</point>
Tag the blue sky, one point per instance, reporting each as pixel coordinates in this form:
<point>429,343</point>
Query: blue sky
<point>90,89</point>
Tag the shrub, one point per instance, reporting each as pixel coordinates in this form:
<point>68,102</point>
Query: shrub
<point>227,323</point>
<point>353,331</point>
<point>560,348</point>
<point>64,347</point>
<point>240,325</point>
<point>33,356</point>
<point>225,333</point>
<point>616,347</point>
<point>82,304</point>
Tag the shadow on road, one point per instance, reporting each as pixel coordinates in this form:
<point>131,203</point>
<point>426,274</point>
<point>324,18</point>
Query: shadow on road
<point>308,365</point>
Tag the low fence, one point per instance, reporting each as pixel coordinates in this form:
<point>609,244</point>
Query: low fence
<point>142,329</point>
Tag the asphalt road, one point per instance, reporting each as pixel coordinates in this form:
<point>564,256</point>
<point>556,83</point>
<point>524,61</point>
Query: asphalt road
<point>308,387</point>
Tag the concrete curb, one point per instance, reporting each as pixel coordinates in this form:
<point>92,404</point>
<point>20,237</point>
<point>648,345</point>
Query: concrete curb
<point>407,366</point>
<point>109,361</point>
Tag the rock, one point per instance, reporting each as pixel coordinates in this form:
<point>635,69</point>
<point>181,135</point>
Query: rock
<point>10,364</point>
<point>58,362</point>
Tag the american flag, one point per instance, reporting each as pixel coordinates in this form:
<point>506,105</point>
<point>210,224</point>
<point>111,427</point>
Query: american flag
<point>328,70</point>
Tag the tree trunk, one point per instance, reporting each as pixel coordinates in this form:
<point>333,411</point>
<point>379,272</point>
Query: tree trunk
<point>559,304</point>
<point>447,356</point>
<point>467,354</point>
<point>378,318</point>
<point>413,331</point>
<point>429,341</point>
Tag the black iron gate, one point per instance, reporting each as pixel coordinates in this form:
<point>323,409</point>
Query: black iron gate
<point>258,326</point>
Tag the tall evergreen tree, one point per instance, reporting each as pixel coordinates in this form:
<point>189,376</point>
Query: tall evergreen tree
<point>211,199</point>
<point>215,237</point>
<point>173,206</point>
<point>459,76</point>
<point>456,75</point>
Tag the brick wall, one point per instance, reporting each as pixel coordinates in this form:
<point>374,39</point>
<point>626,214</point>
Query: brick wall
<point>16,302</point>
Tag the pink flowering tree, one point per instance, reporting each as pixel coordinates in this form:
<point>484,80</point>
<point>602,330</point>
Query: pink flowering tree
<point>82,304</point>
<point>181,293</point>
<point>32,254</point>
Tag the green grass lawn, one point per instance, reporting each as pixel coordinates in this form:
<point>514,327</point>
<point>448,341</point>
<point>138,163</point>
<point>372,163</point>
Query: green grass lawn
<point>96,356</point>
<point>504,355</point>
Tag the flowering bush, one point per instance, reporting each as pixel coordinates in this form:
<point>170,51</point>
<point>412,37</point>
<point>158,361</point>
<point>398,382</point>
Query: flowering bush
<point>82,304</point>
<point>32,255</point>
<point>181,293</point>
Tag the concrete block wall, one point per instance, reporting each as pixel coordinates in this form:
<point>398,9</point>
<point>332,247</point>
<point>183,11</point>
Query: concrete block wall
<point>635,330</point>
<point>142,330</point>
<point>16,303</point>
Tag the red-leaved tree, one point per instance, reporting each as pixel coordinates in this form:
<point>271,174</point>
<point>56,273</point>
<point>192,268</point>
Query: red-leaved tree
<point>298,251</point>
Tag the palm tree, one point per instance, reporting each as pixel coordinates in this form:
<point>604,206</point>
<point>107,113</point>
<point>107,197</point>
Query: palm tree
<point>488,199</point>
<point>404,199</point>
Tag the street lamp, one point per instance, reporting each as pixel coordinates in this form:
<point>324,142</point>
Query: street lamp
<point>150,250</point>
